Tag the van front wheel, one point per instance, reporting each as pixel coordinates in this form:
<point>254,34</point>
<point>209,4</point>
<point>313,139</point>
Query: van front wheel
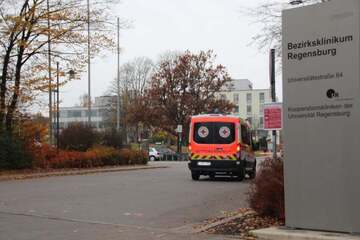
<point>195,175</point>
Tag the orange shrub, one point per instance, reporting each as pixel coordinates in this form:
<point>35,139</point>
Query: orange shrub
<point>130,156</point>
<point>99,156</point>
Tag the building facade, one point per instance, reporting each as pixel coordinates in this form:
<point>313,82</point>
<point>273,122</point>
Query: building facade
<point>249,102</point>
<point>100,113</point>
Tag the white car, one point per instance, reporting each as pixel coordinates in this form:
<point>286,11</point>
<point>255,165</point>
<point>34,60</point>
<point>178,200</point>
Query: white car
<point>154,155</point>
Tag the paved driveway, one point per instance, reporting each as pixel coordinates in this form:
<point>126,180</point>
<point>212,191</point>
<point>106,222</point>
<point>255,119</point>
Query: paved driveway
<point>145,204</point>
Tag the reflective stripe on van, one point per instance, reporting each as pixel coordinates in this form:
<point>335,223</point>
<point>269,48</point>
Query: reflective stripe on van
<point>213,157</point>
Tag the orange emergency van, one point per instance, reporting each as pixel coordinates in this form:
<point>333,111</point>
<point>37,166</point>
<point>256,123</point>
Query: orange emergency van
<point>221,145</point>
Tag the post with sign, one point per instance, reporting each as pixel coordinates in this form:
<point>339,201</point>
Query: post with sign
<point>179,130</point>
<point>273,121</point>
<point>321,63</point>
<point>273,95</point>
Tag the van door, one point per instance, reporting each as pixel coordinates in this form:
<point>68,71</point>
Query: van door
<point>203,136</point>
<point>225,140</point>
<point>215,140</point>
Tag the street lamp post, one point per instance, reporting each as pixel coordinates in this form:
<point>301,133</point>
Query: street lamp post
<point>49,69</point>
<point>89,63</point>
<point>57,105</point>
<point>273,95</point>
<point>118,78</point>
<point>57,109</point>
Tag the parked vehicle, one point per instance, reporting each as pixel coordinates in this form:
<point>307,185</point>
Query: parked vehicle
<point>154,155</point>
<point>221,145</point>
<point>165,150</point>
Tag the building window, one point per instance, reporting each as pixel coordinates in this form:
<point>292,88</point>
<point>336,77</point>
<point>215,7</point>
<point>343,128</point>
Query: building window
<point>236,109</point>
<point>261,109</point>
<point>93,113</point>
<point>223,97</point>
<point>104,113</point>
<point>63,114</point>
<point>74,113</point>
<point>261,122</point>
<point>248,109</point>
<point>236,98</point>
<point>248,98</point>
<point>262,97</point>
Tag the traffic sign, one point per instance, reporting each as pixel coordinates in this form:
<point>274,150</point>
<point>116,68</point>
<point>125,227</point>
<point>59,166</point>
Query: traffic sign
<point>273,116</point>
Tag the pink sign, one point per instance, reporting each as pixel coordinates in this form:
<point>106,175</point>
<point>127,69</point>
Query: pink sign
<point>273,116</point>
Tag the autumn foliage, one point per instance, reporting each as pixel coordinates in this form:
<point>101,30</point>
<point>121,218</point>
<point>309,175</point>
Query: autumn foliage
<point>266,195</point>
<point>26,28</point>
<point>181,86</point>
<point>47,157</point>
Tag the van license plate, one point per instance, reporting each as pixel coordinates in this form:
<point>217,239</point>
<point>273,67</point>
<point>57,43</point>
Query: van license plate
<point>204,163</point>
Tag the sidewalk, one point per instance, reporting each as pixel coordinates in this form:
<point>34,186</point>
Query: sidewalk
<point>40,173</point>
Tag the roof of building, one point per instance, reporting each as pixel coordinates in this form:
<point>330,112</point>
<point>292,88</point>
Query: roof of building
<point>239,85</point>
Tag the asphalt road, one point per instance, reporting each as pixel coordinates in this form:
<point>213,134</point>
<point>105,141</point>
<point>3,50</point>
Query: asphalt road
<point>145,204</point>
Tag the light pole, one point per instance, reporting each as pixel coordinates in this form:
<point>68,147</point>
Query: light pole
<point>49,69</point>
<point>273,95</point>
<point>55,124</point>
<point>57,107</point>
<point>89,64</point>
<point>118,78</point>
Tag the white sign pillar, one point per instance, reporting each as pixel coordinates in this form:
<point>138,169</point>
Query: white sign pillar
<point>321,116</point>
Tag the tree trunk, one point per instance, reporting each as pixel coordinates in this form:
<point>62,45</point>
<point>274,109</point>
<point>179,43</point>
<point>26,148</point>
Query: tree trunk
<point>16,93</point>
<point>3,87</point>
<point>5,115</point>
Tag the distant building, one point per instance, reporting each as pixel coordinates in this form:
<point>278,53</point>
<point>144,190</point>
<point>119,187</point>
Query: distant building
<point>249,102</point>
<point>100,113</point>
<point>249,105</point>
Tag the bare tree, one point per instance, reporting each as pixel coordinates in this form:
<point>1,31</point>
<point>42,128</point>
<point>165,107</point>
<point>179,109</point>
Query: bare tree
<point>268,15</point>
<point>134,80</point>
<point>134,77</point>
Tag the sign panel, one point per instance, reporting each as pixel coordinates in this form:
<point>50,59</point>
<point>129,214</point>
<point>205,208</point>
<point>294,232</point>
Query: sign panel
<point>321,116</point>
<point>179,129</point>
<point>273,116</point>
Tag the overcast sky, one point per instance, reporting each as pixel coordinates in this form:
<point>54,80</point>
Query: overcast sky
<point>162,25</point>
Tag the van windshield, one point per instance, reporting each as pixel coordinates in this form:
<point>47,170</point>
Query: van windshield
<point>214,133</point>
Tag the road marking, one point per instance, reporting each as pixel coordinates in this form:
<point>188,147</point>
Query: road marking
<point>74,220</point>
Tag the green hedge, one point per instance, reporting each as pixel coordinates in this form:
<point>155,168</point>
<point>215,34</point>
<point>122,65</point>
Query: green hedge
<point>12,153</point>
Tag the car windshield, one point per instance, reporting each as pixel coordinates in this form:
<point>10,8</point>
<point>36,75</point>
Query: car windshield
<point>214,133</point>
<point>164,150</point>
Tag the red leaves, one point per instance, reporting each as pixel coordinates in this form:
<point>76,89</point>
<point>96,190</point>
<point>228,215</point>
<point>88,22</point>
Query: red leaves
<point>184,85</point>
<point>47,157</point>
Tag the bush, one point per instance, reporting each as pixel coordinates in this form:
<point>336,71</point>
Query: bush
<point>266,195</point>
<point>99,156</point>
<point>163,137</point>
<point>131,156</point>
<point>111,138</point>
<point>78,137</point>
<point>12,153</point>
